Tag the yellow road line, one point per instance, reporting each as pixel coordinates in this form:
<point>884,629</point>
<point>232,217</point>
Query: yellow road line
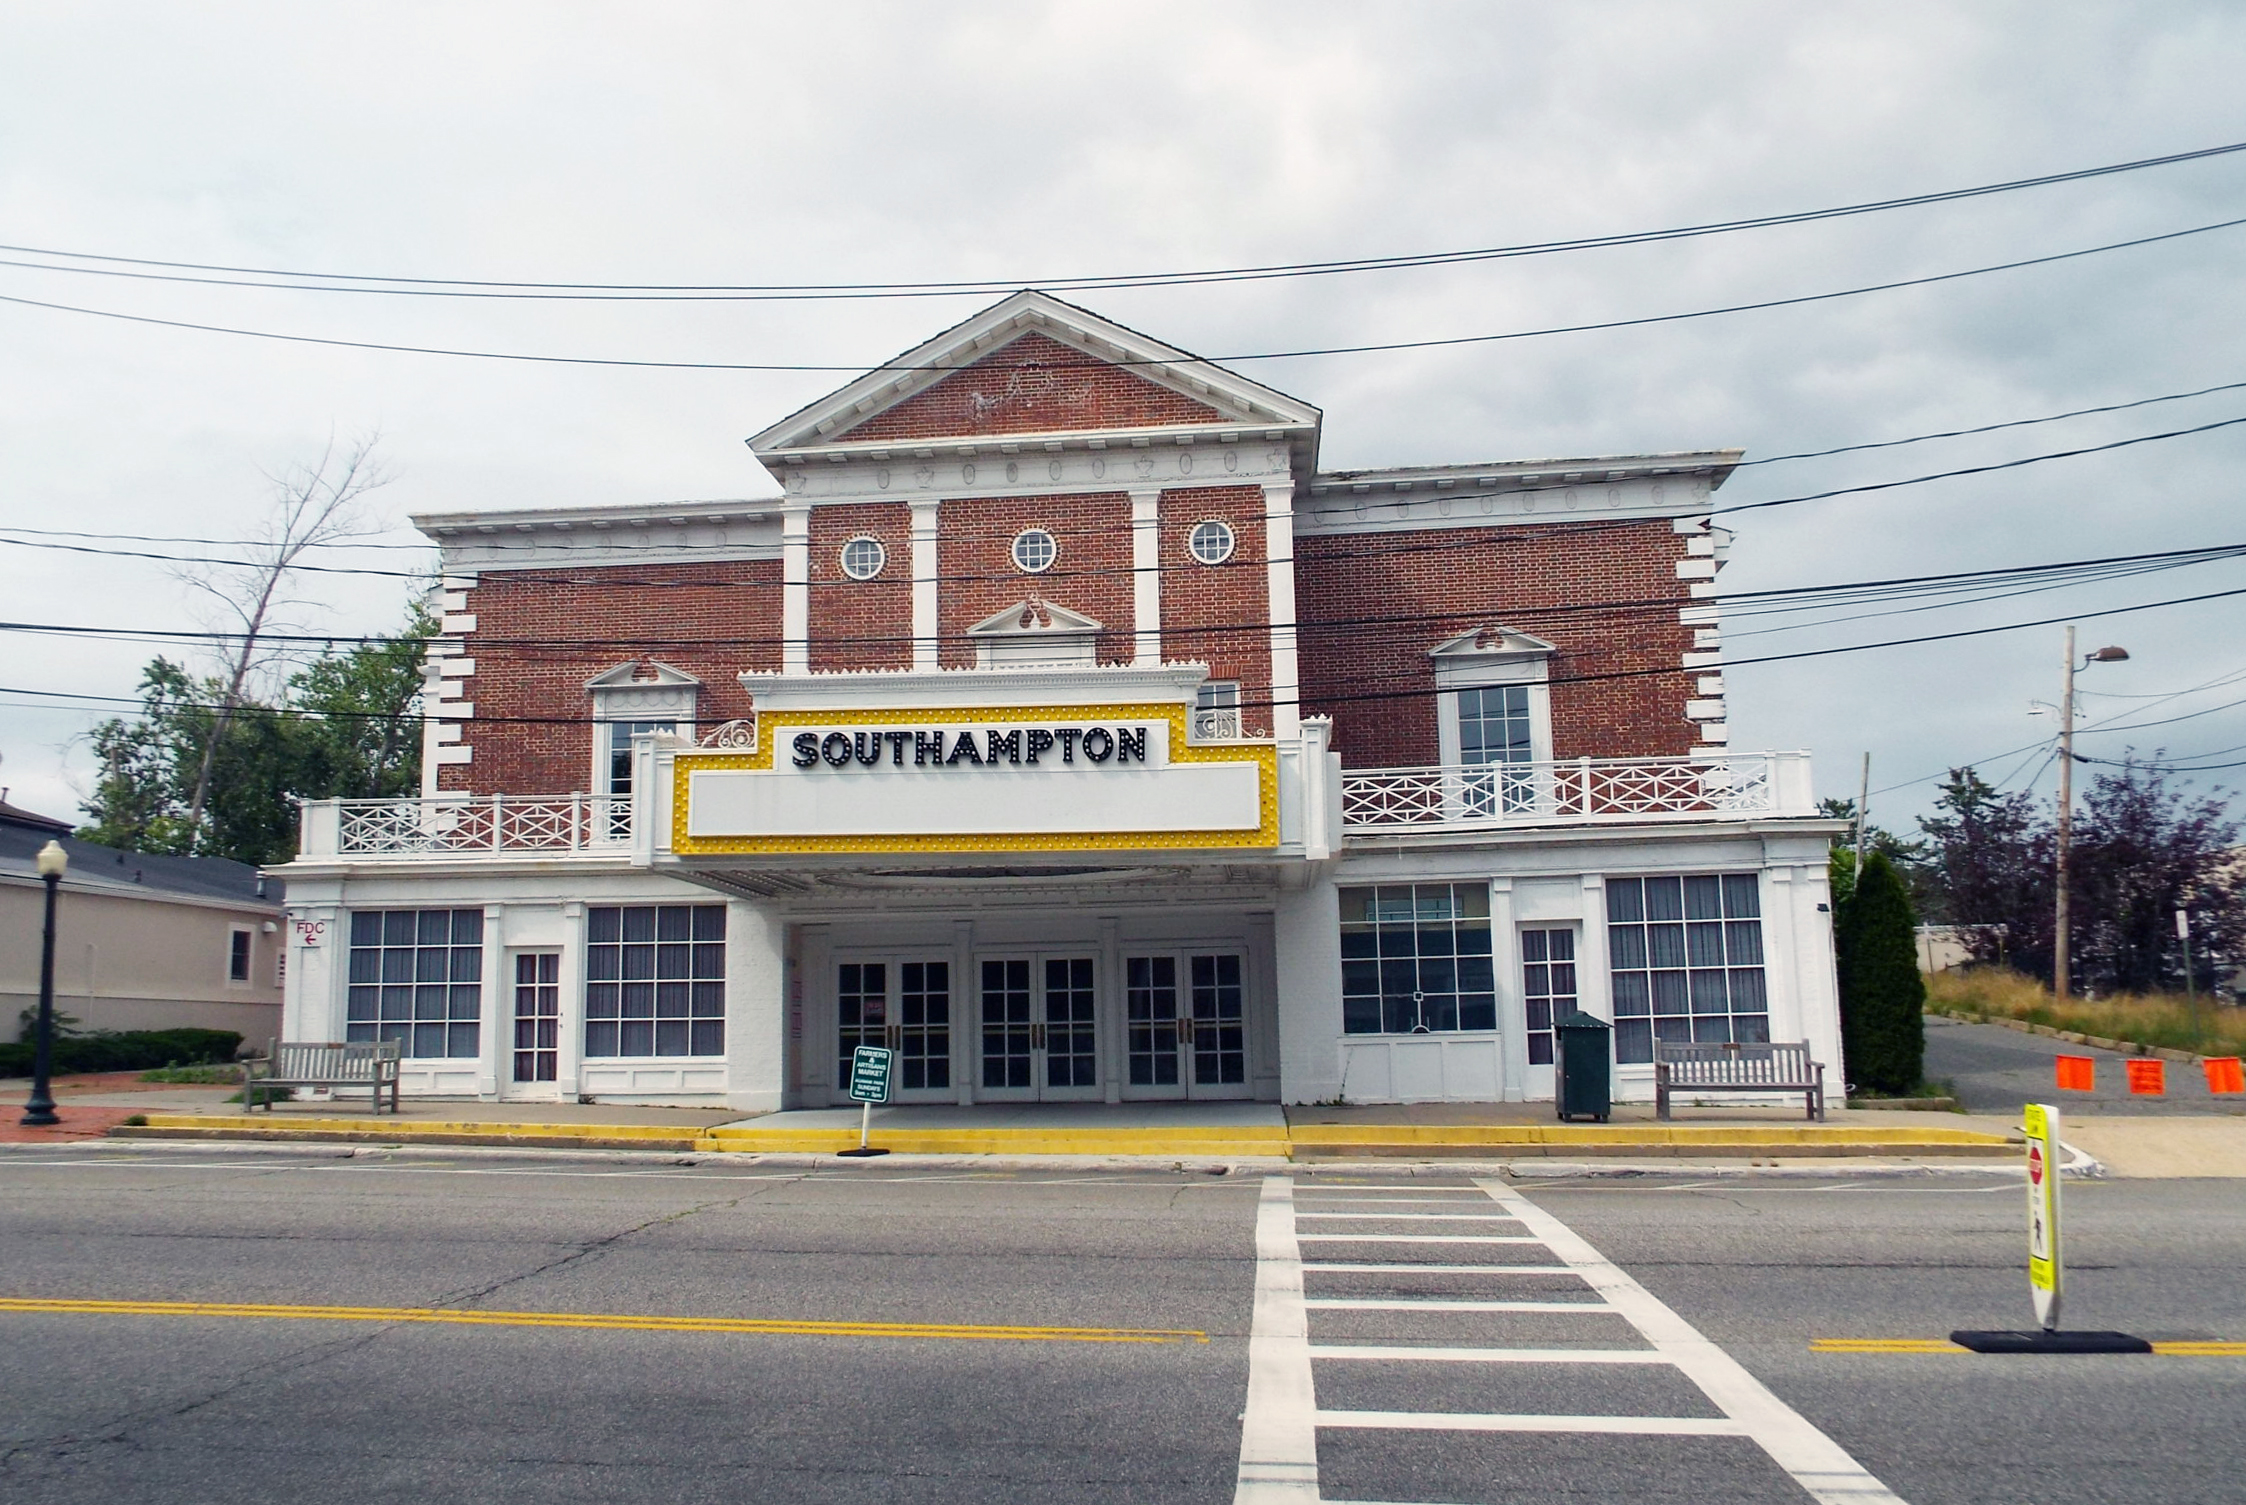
<point>2175,1348</point>
<point>761,1326</point>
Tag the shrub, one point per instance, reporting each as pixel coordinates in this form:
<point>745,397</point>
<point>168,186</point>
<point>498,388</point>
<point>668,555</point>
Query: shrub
<point>126,1050</point>
<point>1882,995</point>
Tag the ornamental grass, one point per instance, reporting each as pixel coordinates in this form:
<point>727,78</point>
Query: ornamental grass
<point>2147,1019</point>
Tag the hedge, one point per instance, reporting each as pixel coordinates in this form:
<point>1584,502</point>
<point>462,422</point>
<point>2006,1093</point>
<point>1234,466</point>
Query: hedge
<point>126,1050</point>
<point>1882,995</point>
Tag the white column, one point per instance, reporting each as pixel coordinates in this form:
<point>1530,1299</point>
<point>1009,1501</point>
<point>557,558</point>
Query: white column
<point>966,1012</point>
<point>1146,576</point>
<point>1279,550</point>
<point>795,588</point>
<point>1512,1005</point>
<point>498,1007</point>
<point>313,995</point>
<point>815,950</point>
<point>569,1060</point>
<point>925,619</point>
<point>1114,1047</point>
<point>756,979</point>
<point>1306,938</point>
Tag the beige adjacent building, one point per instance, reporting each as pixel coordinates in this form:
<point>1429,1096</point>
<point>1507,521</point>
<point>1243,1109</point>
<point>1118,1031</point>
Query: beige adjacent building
<point>142,941</point>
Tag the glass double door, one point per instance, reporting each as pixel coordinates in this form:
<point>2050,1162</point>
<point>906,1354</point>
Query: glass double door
<point>1185,1026</point>
<point>1040,1028</point>
<point>904,1006</point>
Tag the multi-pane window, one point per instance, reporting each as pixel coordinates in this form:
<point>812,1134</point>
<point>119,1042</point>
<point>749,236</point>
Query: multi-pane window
<point>655,980</point>
<point>1547,986</point>
<point>416,976</point>
<point>1494,733</point>
<point>1687,963</point>
<point>1216,710</point>
<point>537,1016</point>
<point>1415,958</point>
<point>620,735</point>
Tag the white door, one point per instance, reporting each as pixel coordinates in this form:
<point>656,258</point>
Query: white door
<point>1185,1032</point>
<point>534,1024</point>
<point>904,1005</point>
<point>1038,1027</point>
<point>1547,995</point>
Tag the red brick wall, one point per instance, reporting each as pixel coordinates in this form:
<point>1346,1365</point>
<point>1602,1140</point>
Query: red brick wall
<point>1091,573</point>
<point>533,657</point>
<point>1446,581</point>
<point>861,624</point>
<point>1234,596</point>
<point>1032,384</point>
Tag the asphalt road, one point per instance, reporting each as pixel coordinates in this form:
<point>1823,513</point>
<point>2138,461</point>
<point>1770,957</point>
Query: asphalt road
<point>1995,1070</point>
<point>160,1406</point>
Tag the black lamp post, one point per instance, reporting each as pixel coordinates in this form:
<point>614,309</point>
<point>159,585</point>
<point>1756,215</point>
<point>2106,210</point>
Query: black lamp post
<point>40,1110</point>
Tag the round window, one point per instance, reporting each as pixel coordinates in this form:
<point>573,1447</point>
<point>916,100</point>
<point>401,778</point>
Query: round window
<point>862,558</point>
<point>1034,550</point>
<point>1211,541</point>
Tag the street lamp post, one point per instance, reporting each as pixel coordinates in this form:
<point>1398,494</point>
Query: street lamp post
<point>2059,960</point>
<point>40,1110</point>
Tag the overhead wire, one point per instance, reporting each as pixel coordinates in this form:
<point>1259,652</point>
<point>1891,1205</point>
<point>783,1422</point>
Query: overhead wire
<point>454,286</point>
<point>898,368</point>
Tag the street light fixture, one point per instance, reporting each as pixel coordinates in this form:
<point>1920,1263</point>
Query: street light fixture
<point>2059,960</point>
<point>39,1111</point>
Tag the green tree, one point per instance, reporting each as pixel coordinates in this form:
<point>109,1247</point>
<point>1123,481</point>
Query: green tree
<point>1989,872</point>
<point>1882,995</point>
<point>348,726</point>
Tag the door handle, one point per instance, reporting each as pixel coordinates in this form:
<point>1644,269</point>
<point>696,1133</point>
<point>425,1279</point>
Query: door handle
<point>1037,1037</point>
<point>1185,1029</point>
<point>893,1035</point>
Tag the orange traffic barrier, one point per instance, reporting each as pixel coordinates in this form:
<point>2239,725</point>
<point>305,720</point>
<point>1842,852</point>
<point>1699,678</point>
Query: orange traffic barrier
<point>2224,1074</point>
<point>2078,1073</point>
<point>2148,1076</point>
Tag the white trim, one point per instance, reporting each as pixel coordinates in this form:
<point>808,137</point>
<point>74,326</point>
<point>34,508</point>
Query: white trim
<point>1146,575</point>
<point>795,588</point>
<point>1279,605</point>
<point>1484,659</point>
<point>880,557</point>
<point>926,618</point>
<point>1231,541</point>
<point>1051,544</point>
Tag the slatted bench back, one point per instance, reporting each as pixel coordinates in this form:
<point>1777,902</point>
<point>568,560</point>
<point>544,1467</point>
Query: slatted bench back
<point>1775,1064</point>
<point>311,1061</point>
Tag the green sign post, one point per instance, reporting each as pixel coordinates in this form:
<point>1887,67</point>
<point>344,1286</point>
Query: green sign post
<point>869,1084</point>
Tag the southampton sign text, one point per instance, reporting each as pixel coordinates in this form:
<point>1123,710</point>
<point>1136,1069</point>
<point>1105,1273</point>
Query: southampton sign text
<point>985,748</point>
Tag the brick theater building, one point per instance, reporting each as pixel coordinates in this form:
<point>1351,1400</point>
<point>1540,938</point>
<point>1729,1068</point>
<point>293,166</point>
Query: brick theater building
<point>1063,727</point>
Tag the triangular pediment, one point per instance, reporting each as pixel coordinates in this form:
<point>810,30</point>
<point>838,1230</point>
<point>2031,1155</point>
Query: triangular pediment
<point>1032,364</point>
<point>640,673</point>
<point>1034,618</point>
<point>1491,642</point>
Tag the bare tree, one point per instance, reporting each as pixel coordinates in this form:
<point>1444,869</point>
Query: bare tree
<point>312,505</point>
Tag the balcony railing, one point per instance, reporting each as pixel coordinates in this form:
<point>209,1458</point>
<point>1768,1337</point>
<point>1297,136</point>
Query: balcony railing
<point>498,824</point>
<point>1582,791</point>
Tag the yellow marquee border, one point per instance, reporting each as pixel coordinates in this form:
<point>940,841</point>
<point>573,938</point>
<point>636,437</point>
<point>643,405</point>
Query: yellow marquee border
<point>773,726</point>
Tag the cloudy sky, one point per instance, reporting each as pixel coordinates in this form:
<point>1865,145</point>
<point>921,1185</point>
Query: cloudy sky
<point>743,143</point>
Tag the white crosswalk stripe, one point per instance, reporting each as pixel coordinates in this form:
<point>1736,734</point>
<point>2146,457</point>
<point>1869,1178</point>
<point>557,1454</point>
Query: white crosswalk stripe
<point>1279,1432</point>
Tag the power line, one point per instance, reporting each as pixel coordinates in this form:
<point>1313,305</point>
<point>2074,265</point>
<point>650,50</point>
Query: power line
<point>1265,355</point>
<point>472,287</point>
<point>1318,702</point>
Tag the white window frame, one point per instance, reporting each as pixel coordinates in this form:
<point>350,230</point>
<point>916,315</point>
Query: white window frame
<point>880,557</point>
<point>1486,659</point>
<point>624,696</point>
<point>1216,711</point>
<point>1014,551</point>
<point>1193,544</point>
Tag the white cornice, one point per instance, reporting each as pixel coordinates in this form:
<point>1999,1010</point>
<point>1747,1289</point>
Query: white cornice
<point>1408,498</point>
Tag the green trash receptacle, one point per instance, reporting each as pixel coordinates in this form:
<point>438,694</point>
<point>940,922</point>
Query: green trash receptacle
<point>1585,1080</point>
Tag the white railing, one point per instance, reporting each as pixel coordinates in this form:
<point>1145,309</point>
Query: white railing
<point>497,824</point>
<point>1580,791</point>
<point>1219,723</point>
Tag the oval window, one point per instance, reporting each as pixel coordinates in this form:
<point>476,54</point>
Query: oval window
<point>1211,542</point>
<point>862,558</point>
<point>1034,550</point>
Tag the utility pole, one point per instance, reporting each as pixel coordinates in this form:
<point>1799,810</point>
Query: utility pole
<point>1863,799</point>
<point>2059,974</point>
<point>2107,655</point>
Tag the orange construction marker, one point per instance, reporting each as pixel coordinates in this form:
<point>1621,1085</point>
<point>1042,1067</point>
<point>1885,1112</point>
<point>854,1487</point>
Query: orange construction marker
<point>2148,1076</point>
<point>2078,1073</point>
<point>2224,1074</point>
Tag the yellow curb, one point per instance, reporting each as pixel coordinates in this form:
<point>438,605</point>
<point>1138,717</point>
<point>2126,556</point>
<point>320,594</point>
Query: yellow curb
<point>1184,1140</point>
<point>418,1128</point>
<point>1773,1136</point>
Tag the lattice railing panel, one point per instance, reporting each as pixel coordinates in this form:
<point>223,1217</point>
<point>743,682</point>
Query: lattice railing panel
<point>1581,790</point>
<point>494,823</point>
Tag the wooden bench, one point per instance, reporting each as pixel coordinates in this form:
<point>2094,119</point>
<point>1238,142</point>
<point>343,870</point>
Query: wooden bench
<point>368,1064</point>
<point>1733,1066</point>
